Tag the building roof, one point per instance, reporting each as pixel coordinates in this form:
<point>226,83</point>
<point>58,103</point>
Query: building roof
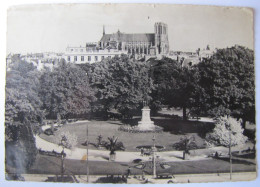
<point>140,37</point>
<point>105,37</point>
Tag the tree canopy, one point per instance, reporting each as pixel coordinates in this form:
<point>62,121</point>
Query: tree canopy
<point>65,91</point>
<point>23,104</point>
<point>226,83</point>
<point>22,113</point>
<point>120,83</point>
<point>174,84</point>
<point>227,132</point>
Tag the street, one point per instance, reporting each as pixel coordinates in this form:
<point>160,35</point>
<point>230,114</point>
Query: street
<point>178,178</point>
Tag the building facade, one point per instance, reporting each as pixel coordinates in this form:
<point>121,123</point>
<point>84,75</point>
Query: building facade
<point>110,45</point>
<point>81,55</point>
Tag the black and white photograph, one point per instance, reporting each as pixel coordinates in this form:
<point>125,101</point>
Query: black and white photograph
<point>130,94</point>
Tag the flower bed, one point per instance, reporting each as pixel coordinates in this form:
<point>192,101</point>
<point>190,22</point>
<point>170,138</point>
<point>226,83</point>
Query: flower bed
<point>136,129</point>
<point>149,147</point>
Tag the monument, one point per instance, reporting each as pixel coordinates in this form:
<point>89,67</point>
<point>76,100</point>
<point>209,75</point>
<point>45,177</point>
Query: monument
<point>146,123</point>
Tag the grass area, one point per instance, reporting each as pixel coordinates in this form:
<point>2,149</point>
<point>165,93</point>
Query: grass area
<point>51,165</point>
<point>173,131</point>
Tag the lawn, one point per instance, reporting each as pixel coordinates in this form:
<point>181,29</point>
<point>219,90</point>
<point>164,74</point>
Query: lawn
<point>51,165</point>
<point>173,131</point>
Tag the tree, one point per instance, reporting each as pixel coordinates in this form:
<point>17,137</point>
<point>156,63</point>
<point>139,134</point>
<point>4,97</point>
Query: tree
<point>164,74</point>
<point>185,89</point>
<point>227,132</point>
<point>120,83</point>
<point>22,99</point>
<point>113,145</point>
<point>20,154</point>
<point>65,140</point>
<point>174,84</point>
<point>226,84</point>
<point>186,144</point>
<point>100,141</point>
<point>65,91</point>
<point>22,113</point>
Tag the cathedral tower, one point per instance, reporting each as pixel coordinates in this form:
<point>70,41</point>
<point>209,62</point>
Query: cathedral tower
<point>161,38</point>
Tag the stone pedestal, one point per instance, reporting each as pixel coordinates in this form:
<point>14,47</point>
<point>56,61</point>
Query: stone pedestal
<point>146,123</point>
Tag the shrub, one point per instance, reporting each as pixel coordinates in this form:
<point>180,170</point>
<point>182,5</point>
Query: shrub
<point>186,144</point>
<point>70,140</point>
<point>100,141</point>
<point>113,145</point>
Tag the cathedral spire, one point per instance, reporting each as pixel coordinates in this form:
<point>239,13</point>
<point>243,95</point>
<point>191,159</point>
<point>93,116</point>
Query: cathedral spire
<point>104,30</point>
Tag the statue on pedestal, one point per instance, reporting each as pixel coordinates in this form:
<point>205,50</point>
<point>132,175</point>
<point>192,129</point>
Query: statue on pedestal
<point>146,123</point>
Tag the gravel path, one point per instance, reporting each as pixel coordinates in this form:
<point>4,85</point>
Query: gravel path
<point>102,155</point>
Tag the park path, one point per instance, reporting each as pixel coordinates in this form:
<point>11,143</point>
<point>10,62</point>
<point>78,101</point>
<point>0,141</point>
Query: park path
<point>103,155</point>
<point>125,156</point>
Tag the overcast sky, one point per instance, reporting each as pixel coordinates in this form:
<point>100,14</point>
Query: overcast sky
<point>43,28</point>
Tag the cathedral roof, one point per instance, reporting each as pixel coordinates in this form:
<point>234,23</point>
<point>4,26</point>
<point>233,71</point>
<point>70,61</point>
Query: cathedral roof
<point>142,37</point>
<point>105,37</point>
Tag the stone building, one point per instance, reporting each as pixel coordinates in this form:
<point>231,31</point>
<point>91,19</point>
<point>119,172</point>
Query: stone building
<point>110,45</point>
<point>144,43</point>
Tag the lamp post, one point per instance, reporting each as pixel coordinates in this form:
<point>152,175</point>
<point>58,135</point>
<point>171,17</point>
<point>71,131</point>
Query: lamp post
<point>230,154</point>
<point>87,155</point>
<point>63,143</point>
<point>228,126</point>
<point>154,162</point>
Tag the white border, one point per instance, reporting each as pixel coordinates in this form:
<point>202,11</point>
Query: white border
<point>4,4</point>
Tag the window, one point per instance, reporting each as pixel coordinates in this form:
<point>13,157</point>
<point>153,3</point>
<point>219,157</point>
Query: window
<point>96,58</point>
<point>82,58</point>
<point>68,58</point>
<point>71,50</point>
<point>81,50</point>
<point>75,58</point>
<point>109,57</point>
<point>102,57</point>
<point>89,58</point>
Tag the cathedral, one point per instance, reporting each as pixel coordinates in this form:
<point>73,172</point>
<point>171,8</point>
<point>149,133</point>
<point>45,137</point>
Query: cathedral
<point>145,43</point>
<point>111,45</point>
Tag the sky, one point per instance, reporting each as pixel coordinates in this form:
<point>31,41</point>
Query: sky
<point>51,28</point>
